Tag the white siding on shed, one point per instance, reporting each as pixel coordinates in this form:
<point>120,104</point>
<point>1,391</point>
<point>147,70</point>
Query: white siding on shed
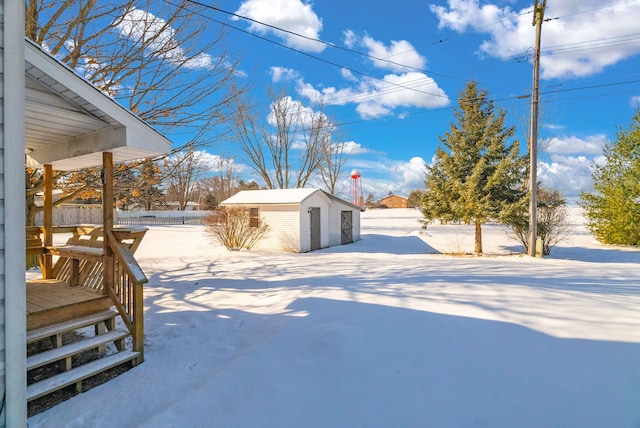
<point>288,214</point>
<point>284,233</point>
<point>316,200</point>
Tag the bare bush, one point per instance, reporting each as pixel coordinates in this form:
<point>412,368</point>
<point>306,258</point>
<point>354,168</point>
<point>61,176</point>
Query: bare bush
<point>552,222</point>
<point>235,228</point>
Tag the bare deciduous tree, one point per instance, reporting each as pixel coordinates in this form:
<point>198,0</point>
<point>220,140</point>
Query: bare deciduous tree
<point>183,171</point>
<point>157,64</point>
<point>552,221</point>
<point>335,156</point>
<point>288,148</point>
<point>222,184</point>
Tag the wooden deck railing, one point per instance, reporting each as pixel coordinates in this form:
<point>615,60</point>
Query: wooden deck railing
<point>117,275</point>
<point>125,290</point>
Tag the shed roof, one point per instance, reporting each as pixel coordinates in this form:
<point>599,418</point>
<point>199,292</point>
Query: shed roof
<point>69,122</point>
<point>279,197</point>
<point>271,196</point>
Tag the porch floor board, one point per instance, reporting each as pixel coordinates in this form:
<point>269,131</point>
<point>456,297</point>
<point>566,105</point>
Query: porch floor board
<point>50,301</point>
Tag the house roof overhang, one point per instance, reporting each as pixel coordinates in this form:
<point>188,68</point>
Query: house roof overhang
<point>69,122</point>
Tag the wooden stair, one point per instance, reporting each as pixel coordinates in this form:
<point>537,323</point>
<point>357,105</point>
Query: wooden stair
<point>104,323</point>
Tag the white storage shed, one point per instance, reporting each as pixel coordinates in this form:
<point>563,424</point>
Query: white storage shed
<point>301,220</point>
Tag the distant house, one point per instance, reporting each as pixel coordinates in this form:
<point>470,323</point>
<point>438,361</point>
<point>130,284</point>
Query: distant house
<point>301,220</point>
<point>393,201</point>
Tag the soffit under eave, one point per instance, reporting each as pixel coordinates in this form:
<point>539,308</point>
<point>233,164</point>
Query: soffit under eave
<point>69,122</point>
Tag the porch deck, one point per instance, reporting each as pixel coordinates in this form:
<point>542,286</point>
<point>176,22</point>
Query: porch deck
<point>92,280</point>
<point>51,301</point>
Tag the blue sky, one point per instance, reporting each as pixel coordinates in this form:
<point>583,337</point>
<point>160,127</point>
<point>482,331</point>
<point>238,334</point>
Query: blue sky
<point>394,111</point>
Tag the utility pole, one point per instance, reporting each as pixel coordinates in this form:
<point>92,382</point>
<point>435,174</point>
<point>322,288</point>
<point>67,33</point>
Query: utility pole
<point>538,17</point>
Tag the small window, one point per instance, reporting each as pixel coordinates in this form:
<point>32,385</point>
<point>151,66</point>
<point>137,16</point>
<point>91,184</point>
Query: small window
<point>254,217</point>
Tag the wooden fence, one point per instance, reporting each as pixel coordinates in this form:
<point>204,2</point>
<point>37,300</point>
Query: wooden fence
<point>68,216</point>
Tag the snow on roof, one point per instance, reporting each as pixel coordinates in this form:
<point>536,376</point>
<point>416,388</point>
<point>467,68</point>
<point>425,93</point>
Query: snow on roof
<point>280,197</point>
<point>271,196</point>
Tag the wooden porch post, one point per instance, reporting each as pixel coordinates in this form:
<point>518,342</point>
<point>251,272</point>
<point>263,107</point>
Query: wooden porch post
<point>107,218</point>
<point>48,221</point>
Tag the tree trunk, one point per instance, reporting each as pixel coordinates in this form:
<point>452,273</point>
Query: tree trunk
<point>478,237</point>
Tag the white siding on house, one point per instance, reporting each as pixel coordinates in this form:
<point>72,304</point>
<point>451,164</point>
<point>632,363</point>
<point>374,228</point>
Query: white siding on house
<point>2,204</point>
<point>12,218</point>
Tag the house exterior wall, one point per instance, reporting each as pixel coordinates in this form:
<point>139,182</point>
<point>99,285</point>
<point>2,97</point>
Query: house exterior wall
<point>12,218</point>
<point>2,216</point>
<point>394,201</point>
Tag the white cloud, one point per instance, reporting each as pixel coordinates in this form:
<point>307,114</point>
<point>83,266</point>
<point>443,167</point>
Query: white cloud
<point>568,174</point>
<point>375,98</point>
<point>283,74</point>
<point>411,174</point>
<point>144,27</point>
<point>348,75</point>
<point>353,148</point>
<point>350,39</point>
<point>592,145</point>
<point>577,44</point>
<point>297,112</point>
<point>635,101</point>
<point>400,55</point>
<point>464,14</point>
<point>372,109</point>
<point>291,15</point>
<point>378,98</point>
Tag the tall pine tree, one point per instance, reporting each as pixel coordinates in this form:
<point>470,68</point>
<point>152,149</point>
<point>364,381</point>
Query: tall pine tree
<point>613,208</point>
<point>477,176</point>
<point>148,192</point>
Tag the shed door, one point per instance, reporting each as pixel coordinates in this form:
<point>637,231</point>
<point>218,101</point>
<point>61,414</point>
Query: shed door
<point>314,214</point>
<point>346,221</point>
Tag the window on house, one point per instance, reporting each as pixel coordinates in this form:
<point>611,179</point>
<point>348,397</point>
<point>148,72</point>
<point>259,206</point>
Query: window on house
<point>254,217</point>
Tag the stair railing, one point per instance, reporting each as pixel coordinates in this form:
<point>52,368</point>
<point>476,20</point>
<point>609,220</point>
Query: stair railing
<point>124,285</point>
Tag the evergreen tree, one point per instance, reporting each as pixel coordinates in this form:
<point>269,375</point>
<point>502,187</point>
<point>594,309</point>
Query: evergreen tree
<point>148,192</point>
<point>613,208</point>
<point>477,176</point>
<point>370,202</point>
<point>415,198</point>
<point>125,185</point>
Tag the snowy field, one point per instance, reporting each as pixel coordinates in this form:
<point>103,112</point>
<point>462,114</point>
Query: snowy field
<point>385,332</point>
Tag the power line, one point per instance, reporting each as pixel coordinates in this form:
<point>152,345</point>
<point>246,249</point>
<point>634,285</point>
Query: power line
<point>314,56</point>
<point>518,98</point>
<point>397,86</point>
<point>332,45</point>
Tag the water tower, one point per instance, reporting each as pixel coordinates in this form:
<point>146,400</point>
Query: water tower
<point>356,188</point>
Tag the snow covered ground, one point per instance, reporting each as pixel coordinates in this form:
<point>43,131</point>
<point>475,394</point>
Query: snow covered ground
<point>385,332</point>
